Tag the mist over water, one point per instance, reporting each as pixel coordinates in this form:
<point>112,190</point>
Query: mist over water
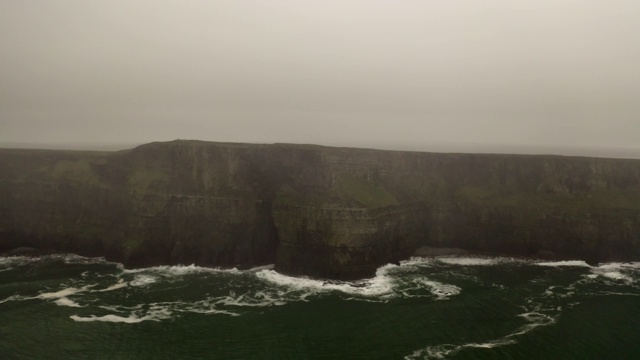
<point>423,308</point>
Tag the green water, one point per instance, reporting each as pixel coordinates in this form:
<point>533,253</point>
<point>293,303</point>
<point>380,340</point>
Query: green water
<point>69,307</point>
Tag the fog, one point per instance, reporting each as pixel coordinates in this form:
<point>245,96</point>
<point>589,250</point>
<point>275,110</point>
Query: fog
<point>546,76</point>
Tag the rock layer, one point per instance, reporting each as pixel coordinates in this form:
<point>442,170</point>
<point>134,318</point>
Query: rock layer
<point>312,210</point>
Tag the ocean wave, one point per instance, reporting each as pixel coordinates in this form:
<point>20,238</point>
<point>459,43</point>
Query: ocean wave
<point>132,319</point>
<point>159,311</point>
<point>576,263</point>
<point>143,277</point>
<point>418,261</point>
<point>252,288</point>
<point>613,273</point>
<point>63,301</point>
<point>4,260</point>
<point>445,350</point>
<point>14,298</point>
<point>616,275</point>
<point>180,270</point>
<point>143,280</point>
<point>619,272</point>
<point>61,297</point>
<point>64,292</point>
<point>10,262</point>
<point>130,315</point>
<point>466,261</point>
<point>118,285</point>
<point>440,290</point>
<point>470,261</point>
<point>278,289</point>
<point>379,286</point>
<point>391,281</point>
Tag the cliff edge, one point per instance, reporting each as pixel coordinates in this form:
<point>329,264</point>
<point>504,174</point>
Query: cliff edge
<point>312,210</point>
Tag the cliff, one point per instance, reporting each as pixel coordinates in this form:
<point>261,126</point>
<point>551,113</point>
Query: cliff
<point>313,210</point>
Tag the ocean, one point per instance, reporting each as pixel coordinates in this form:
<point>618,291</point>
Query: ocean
<point>71,307</point>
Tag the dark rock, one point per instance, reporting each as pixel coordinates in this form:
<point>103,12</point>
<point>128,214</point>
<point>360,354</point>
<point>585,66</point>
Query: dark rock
<point>326,212</point>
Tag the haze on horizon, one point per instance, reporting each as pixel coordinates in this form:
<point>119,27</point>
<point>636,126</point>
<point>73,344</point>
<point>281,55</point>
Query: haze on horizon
<point>546,76</point>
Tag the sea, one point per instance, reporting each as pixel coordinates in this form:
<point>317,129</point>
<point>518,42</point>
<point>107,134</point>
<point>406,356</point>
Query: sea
<point>450,307</point>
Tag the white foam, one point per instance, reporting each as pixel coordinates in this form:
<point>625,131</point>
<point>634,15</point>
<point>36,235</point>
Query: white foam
<point>181,270</point>
<point>536,317</point>
<point>610,266</point>
<point>443,351</point>
<point>630,266</point>
<point>155,312</point>
<point>469,261</point>
<point>577,263</point>
<point>384,286</point>
<point>211,311</point>
<point>63,293</point>
<point>120,308</point>
<point>380,285</point>
<point>418,261</point>
<point>63,301</point>
<point>260,299</point>
<point>143,280</point>
<point>131,319</point>
<point>616,275</point>
<point>206,307</point>
<point>10,262</point>
<point>259,268</point>
<point>164,310</point>
<point>61,297</point>
<point>77,259</point>
<point>119,285</point>
<point>66,258</point>
<point>459,261</point>
<point>13,298</point>
<point>15,260</point>
<point>440,290</point>
<point>615,271</point>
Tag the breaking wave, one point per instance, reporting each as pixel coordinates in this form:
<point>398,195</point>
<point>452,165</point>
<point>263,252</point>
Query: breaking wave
<point>105,296</point>
<point>577,263</point>
<point>244,289</point>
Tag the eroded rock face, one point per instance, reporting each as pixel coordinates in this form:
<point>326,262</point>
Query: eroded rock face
<point>345,243</point>
<point>312,210</point>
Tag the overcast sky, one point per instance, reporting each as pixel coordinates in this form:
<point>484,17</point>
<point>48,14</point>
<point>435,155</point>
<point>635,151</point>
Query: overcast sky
<point>429,75</point>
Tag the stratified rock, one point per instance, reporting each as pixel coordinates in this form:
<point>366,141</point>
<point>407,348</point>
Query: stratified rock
<point>312,210</point>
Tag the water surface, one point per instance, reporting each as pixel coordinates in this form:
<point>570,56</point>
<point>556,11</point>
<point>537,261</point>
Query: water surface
<point>70,307</point>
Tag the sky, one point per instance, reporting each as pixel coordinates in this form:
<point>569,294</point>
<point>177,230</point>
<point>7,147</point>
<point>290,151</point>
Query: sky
<point>544,76</point>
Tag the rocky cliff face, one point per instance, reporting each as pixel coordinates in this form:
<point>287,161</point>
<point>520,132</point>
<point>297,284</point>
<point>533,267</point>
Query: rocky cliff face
<point>318,211</point>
